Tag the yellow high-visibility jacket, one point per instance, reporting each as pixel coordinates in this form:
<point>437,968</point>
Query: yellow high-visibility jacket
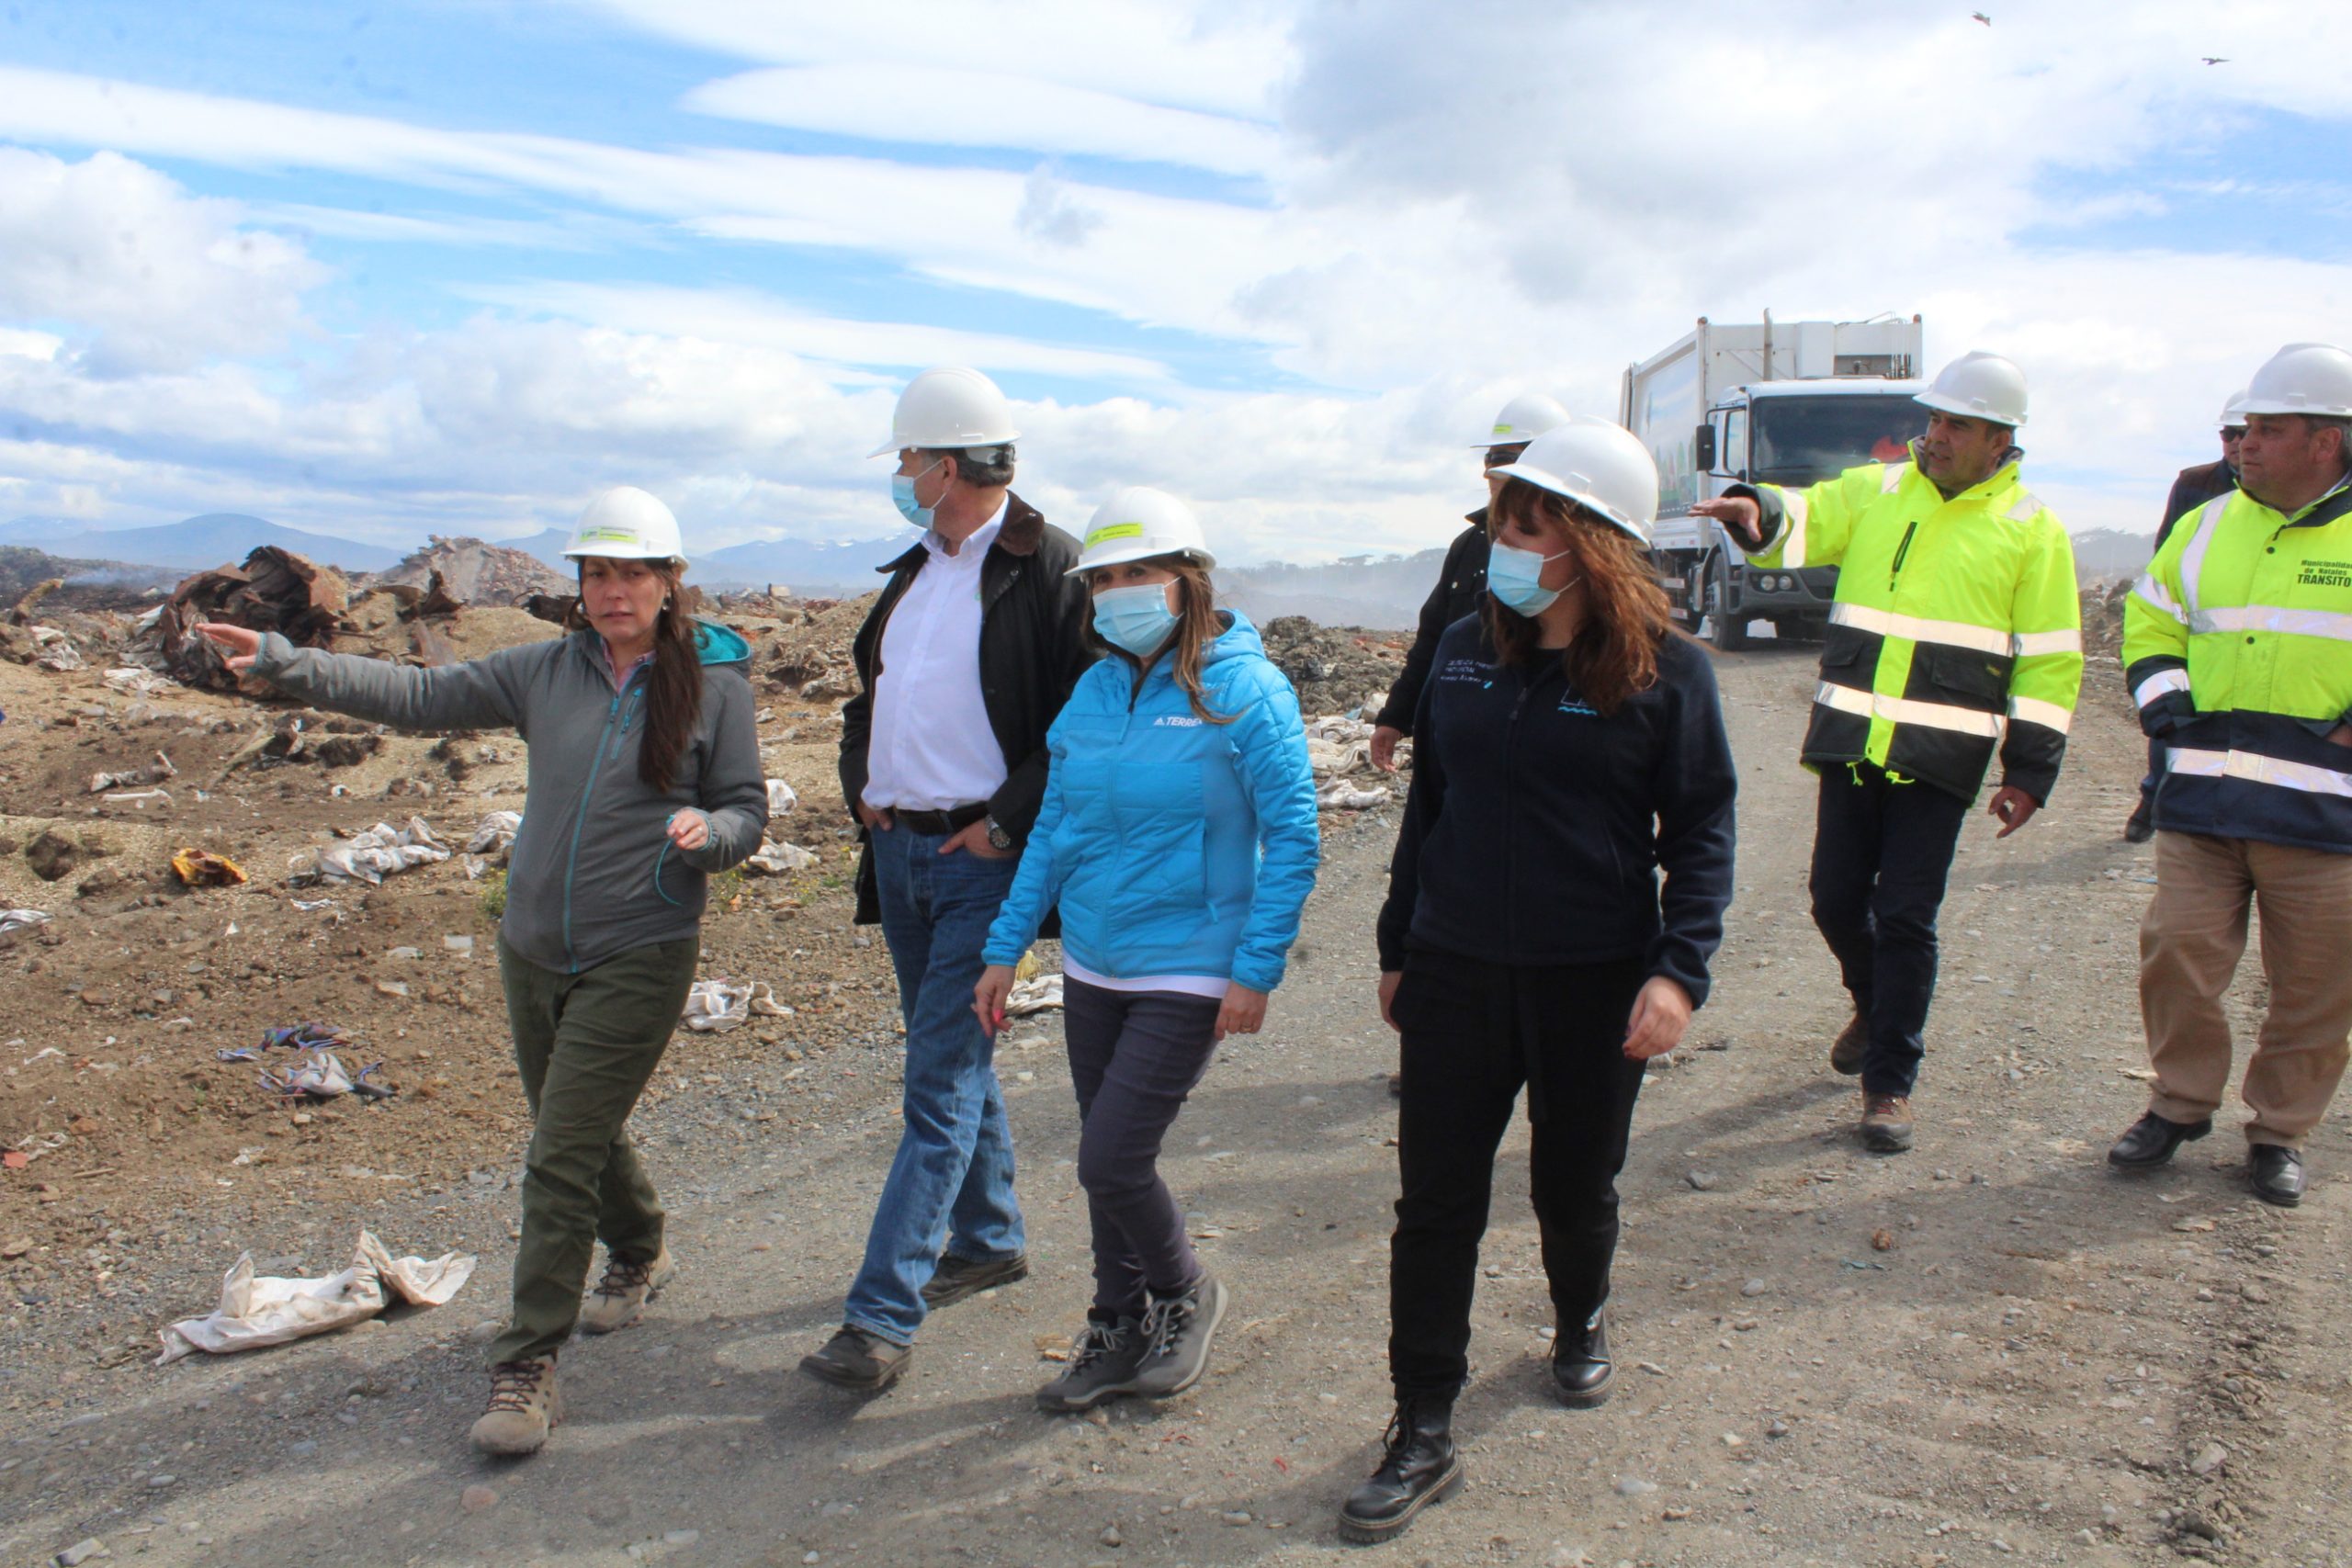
<point>1956,628</point>
<point>2238,647</point>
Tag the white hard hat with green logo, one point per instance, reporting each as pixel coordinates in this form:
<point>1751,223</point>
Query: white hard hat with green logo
<point>1138,523</point>
<point>626,523</point>
<point>1524,418</point>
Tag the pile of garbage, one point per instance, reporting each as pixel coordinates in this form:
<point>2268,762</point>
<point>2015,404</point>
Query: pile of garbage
<point>474,571</point>
<point>1335,668</point>
<point>275,591</point>
<point>1339,748</point>
<point>808,656</point>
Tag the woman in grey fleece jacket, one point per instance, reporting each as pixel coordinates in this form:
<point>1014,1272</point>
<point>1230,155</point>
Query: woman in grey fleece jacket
<point>604,908</point>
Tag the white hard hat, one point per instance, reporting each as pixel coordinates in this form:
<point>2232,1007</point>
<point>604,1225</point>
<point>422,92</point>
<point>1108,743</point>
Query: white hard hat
<point>2303,378</point>
<point>1524,418</point>
<point>1979,386</point>
<point>626,523</point>
<point>1599,466</point>
<point>949,408</point>
<point>1138,523</point>
<point>2233,412</point>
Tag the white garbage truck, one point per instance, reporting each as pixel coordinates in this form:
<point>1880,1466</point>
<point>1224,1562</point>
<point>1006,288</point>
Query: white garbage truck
<point>1778,402</point>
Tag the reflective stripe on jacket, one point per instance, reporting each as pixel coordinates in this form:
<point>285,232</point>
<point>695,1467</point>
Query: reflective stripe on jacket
<point>1956,629</point>
<point>2237,646</point>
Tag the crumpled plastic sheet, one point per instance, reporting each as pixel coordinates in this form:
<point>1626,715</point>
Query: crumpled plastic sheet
<point>1033,996</point>
<point>258,1309</point>
<point>370,857</point>
<point>321,1075</point>
<point>17,920</point>
<point>1344,795</point>
<point>131,678</point>
<point>714,1005</point>
<point>775,859</point>
<point>781,798</point>
<point>492,843</point>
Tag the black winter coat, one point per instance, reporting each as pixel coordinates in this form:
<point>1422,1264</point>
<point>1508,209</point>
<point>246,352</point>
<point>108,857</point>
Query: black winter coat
<point>2192,489</point>
<point>1536,827</point>
<point>1461,590</point>
<point>1033,650</point>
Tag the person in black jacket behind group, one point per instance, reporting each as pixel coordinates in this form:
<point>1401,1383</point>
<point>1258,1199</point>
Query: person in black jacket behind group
<point>1569,747</point>
<point>1461,580</point>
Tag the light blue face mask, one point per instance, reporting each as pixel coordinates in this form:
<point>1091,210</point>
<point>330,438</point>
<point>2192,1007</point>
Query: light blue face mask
<point>902,492</point>
<point>1135,618</point>
<point>1513,574</point>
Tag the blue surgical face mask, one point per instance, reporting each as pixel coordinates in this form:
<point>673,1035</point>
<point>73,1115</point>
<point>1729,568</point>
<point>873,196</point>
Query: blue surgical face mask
<point>1513,574</point>
<point>902,492</point>
<point>1136,618</point>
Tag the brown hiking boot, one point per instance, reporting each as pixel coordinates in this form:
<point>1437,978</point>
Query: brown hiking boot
<point>524,1406</point>
<point>1852,1044</point>
<point>1887,1124</point>
<point>620,1296</point>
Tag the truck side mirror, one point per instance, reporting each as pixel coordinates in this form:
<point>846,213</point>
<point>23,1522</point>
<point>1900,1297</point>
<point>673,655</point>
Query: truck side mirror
<point>1702,448</point>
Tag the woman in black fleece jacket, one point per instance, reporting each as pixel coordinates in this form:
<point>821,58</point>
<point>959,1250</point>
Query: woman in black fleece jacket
<point>1569,747</point>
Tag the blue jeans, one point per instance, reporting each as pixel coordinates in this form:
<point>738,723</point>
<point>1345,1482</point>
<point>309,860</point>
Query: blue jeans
<point>951,1183</point>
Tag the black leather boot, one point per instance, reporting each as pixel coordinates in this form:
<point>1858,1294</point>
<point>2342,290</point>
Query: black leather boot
<point>1581,1368</point>
<point>2275,1174</point>
<point>1419,1467</point>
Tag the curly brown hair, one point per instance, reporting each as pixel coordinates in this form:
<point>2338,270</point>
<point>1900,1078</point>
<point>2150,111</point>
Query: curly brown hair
<point>1615,652</point>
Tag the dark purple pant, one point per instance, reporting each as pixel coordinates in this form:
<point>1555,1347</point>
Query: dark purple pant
<point>1134,1057</point>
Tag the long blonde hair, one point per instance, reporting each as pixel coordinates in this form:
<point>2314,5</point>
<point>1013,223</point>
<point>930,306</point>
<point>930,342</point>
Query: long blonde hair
<point>1198,624</point>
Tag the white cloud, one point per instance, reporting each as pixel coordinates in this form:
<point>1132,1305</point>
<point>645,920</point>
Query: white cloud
<point>146,274</point>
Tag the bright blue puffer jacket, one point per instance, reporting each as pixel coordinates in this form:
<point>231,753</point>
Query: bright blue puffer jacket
<point>1154,819</point>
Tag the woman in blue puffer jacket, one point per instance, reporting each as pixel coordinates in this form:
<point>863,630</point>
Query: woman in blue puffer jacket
<point>1179,838</point>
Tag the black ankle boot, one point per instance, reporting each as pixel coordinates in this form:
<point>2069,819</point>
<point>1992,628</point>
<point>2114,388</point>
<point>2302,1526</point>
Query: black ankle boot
<point>1421,1467</point>
<point>1581,1368</point>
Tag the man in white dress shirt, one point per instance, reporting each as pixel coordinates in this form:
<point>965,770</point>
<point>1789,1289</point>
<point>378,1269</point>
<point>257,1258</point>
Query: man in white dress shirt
<point>969,654</point>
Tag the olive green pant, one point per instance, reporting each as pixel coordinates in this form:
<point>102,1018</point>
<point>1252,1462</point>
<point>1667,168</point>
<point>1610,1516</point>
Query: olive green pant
<point>587,1044</point>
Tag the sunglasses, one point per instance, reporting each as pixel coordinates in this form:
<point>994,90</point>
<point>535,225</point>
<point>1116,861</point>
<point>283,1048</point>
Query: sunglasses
<point>1498,456</point>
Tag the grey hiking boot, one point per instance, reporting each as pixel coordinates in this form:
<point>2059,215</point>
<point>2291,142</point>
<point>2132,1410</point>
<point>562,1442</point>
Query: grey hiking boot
<point>853,1359</point>
<point>956,1278</point>
<point>620,1296</point>
<point>524,1406</point>
<point>1177,1331</point>
<point>1101,1366</point>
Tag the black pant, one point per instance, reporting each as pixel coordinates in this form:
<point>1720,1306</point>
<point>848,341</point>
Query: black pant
<point>1133,1055</point>
<point>1472,1033</point>
<point>2155,778</point>
<point>1881,852</point>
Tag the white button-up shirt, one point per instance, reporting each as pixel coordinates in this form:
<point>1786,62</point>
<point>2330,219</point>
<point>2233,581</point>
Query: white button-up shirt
<point>932,748</point>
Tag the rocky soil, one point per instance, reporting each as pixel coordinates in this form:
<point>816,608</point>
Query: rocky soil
<point>1988,1350</point>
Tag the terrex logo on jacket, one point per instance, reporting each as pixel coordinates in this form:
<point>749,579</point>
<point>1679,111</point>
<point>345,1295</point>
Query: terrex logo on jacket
<point>1956,628</point>
<point>2238,647</point>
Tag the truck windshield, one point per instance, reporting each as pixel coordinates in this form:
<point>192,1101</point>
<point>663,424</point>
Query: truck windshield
<point>1800,440</point>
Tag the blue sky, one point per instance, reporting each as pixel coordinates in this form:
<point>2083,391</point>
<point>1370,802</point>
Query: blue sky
<point>454,265</point>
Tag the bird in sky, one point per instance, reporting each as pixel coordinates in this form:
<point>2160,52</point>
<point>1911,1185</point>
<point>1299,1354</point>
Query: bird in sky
<point>2215,58</point>
<point>1980,17</point>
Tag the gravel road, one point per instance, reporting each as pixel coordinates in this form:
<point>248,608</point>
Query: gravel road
<point>1988,1350</point>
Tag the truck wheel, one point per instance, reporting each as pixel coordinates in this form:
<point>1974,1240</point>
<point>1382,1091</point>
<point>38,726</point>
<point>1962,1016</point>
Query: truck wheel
<point>1728,634</point>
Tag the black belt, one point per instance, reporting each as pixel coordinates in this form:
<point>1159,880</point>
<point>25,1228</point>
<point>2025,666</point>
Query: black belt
<point>954,821</point>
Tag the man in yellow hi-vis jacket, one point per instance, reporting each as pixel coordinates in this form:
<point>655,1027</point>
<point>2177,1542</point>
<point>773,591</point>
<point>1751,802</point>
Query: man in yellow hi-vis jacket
<point>2238,648</point>
<point>1956,632</point>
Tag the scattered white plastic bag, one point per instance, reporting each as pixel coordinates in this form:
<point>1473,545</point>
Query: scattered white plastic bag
<point>492,843</point>
<point>321,1075</point>
<point>1033,996</point>
<point>780,797</point>
<point>1339,794</point>
<point>17,920</point>
<point>775,859</point>
<point>258,1310</point>
<point>370,857</point>
<point>716,1005</point>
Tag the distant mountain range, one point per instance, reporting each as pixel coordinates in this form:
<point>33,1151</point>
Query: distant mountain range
<point>213,539</point>
<point>1383,591</point>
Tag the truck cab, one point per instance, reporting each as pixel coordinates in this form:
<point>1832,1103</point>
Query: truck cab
<point>1787,404</point>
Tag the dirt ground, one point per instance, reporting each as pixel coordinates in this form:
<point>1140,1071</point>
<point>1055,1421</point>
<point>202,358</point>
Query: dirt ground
<point>1990,1350</point>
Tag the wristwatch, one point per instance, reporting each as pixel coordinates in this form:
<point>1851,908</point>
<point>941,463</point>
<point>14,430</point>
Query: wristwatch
<point>999,837</point>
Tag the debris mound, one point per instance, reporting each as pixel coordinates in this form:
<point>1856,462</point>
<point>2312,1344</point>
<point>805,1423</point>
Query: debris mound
<point>474,571</point>
<point>1335,668</point>
<point>275,591</point>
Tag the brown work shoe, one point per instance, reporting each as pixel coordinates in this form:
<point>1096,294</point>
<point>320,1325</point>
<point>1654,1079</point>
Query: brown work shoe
<point>1852,1044</point>
<point>620,1296</point>
<point>524,1406</point>
<point>1886,1122</point>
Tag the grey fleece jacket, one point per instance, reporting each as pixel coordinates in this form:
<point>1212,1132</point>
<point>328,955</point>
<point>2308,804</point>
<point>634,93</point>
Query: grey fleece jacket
<point>581,885</point>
